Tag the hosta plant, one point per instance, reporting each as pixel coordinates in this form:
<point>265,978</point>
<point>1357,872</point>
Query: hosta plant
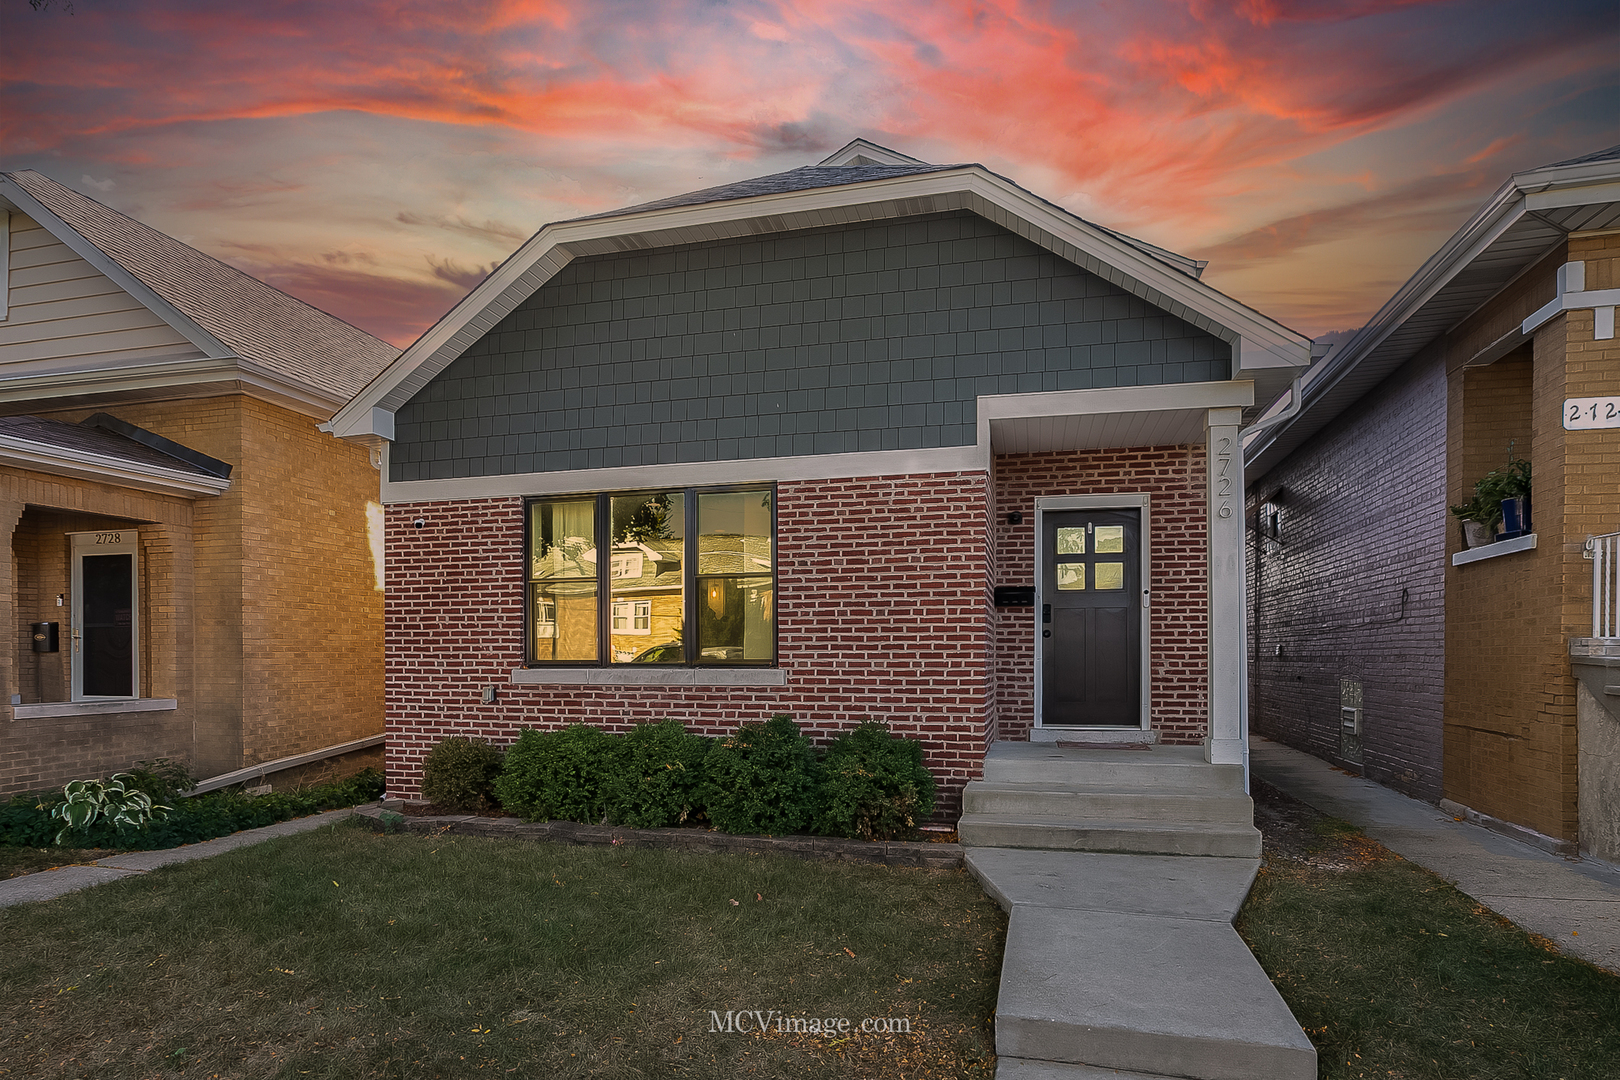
<point>115,800</point>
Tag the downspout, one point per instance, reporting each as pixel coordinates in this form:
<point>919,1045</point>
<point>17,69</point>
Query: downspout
<point>1295,400</point>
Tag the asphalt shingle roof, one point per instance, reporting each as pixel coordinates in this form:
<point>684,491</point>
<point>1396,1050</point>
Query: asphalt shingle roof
<point>804,178</point>
<point>1611,154</point>
<point>93,440</point>
<point>259,322</point>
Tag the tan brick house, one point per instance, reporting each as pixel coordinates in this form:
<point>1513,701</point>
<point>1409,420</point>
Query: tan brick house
<point>193,568</point>
<point>1483,677</point>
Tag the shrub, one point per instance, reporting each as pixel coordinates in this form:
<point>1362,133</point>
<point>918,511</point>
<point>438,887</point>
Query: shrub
<point>114,803</point>
<point>874,786</point>
<point>659,781</point>
<point>559,775</point>
<point>164,779</point>
<point>459,774</point>
<point>763,779</point>
<point>27,821</point>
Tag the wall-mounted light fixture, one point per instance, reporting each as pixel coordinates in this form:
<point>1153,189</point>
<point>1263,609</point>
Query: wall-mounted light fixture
<point>1015,518</point>
<point>420,523</point>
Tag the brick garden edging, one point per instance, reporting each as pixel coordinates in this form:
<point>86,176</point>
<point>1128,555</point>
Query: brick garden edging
<point>698,841</point>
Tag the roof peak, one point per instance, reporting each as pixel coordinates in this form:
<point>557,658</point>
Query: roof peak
<point>866,152</point>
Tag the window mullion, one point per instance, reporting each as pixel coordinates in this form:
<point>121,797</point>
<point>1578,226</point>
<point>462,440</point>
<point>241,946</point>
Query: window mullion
<point>689,579</point>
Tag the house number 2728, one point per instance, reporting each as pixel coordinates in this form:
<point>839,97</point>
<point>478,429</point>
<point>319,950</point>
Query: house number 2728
<point>1223,482</point>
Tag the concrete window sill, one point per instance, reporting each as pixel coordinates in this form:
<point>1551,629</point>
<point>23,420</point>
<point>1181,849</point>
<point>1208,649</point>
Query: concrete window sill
<point>1495,551</point>
<point>647,676</point>
<point>91,708</point>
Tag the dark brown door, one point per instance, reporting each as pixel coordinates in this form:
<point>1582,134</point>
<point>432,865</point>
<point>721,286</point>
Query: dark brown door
<point>1091,619</point>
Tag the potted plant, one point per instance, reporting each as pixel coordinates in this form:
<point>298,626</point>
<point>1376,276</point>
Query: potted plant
<point>1501,495</point>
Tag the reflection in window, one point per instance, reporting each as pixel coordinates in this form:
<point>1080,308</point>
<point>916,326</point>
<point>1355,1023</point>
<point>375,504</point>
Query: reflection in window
<point>654,574</point>
<point>562,572</point>
<point>648,589</point>
<point>736,608</point>
<point>1071,576</point>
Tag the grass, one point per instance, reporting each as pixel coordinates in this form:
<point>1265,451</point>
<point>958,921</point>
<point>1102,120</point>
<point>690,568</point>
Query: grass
<point>343,953</point>
<point>1393,973</point>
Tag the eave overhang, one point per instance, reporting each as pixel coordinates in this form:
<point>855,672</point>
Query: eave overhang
<point>1522,223</point>
<point>101,468</point>
<point>1263,350</point>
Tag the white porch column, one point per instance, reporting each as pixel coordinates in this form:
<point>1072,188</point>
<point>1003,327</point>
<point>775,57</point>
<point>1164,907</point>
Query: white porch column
<point>1225,742</point>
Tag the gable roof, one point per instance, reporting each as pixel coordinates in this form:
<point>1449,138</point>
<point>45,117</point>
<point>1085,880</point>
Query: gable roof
<point>818,196</point>
<point>222,310</point>
<point>1527,218</point>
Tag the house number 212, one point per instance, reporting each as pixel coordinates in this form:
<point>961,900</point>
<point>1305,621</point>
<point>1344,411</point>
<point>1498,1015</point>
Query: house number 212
<point>1223,482</point>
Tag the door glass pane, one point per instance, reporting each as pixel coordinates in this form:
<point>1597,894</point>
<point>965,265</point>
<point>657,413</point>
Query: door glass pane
<point>1071,541</point>
<point>1110,539</point>
<point>107,613</point>
<point>1109,575</point>
<point>736,619</point>
<point>562,620</point>
<point>1071,576</point>
<point>648,602</point>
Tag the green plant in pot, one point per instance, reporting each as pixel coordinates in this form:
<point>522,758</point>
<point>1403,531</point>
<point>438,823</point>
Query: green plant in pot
<point>1483,511</point>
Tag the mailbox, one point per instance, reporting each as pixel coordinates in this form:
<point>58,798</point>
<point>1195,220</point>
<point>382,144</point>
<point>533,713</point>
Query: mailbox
<point>46,637</point>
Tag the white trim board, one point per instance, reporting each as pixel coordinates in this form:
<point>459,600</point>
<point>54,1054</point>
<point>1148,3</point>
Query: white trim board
<point>84,465</point>
<point>1190,402</point>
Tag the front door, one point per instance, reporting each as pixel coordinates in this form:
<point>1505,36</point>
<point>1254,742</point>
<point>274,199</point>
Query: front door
<point>104,603</point>
<point>1091,651</point>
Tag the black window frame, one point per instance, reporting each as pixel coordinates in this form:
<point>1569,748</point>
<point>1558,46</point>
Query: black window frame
<point>690,576</point>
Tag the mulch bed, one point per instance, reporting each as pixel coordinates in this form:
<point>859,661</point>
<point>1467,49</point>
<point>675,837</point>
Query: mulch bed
<point>425,818</point>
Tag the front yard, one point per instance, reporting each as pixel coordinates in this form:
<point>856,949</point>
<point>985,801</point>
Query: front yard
<point>344,953</point>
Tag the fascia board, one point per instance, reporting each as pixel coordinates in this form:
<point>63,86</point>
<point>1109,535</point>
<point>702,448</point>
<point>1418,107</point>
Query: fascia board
<point>83,465</point>
<point>969,187</point>
<point>1488,224</point>
<point>1561,196</point>
<point>81,246</point>
<point>243,375</point>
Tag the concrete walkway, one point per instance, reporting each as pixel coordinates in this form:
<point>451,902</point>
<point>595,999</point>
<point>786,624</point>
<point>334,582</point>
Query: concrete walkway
<point>49,884</point>
<point>1573,902</point>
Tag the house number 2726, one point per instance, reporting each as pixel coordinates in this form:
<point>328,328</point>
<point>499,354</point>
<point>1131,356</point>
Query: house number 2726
<point>1223,482</point>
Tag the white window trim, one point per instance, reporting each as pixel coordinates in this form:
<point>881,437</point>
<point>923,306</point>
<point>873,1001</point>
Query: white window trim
<point>5,264</point>
<point>1058,503</point>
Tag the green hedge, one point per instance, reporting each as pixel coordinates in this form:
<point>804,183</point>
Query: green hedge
<point>765,778</point>
<point>25,821</point>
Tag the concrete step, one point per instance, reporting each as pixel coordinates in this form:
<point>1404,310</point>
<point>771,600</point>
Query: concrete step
<point>982,797</point>
<point>1060,833</point>
<point>1145,993</point>
<point>1180,769</point>
<point>1024,1069</point>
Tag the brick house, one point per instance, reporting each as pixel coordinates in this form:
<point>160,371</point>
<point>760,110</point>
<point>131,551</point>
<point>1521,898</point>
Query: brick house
<point>200,555</point>
<point>1380,642</point>
<point>912,443</point>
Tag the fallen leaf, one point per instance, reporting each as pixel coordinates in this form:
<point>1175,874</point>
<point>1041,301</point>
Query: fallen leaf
<point>847,950</point>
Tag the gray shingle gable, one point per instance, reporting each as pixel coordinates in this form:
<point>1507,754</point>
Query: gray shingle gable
<point>859,337</point>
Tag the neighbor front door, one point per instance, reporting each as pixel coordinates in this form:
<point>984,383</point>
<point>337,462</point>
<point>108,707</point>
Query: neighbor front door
<point>1091,651</point>
<point>105,653</point>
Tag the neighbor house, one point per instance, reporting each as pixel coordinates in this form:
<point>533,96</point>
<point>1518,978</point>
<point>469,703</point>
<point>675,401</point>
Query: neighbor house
<point>193,569</point>
<point>868,438</point>
<point>1480,677</point>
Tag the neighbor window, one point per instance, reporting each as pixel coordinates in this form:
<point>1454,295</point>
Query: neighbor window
<point>689,577</point>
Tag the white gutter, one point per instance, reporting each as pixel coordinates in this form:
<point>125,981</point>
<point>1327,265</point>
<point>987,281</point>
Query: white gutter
<point>258,772</point>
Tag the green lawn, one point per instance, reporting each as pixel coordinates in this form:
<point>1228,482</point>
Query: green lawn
<point>1395,974</point>
<point>344,953</point>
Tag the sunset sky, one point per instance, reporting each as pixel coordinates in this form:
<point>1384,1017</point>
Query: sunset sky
<point>376,159</point>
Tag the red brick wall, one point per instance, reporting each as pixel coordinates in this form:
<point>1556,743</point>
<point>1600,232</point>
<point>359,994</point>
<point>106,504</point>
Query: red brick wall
<point>881,607</point>
<point>1173,477</point>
